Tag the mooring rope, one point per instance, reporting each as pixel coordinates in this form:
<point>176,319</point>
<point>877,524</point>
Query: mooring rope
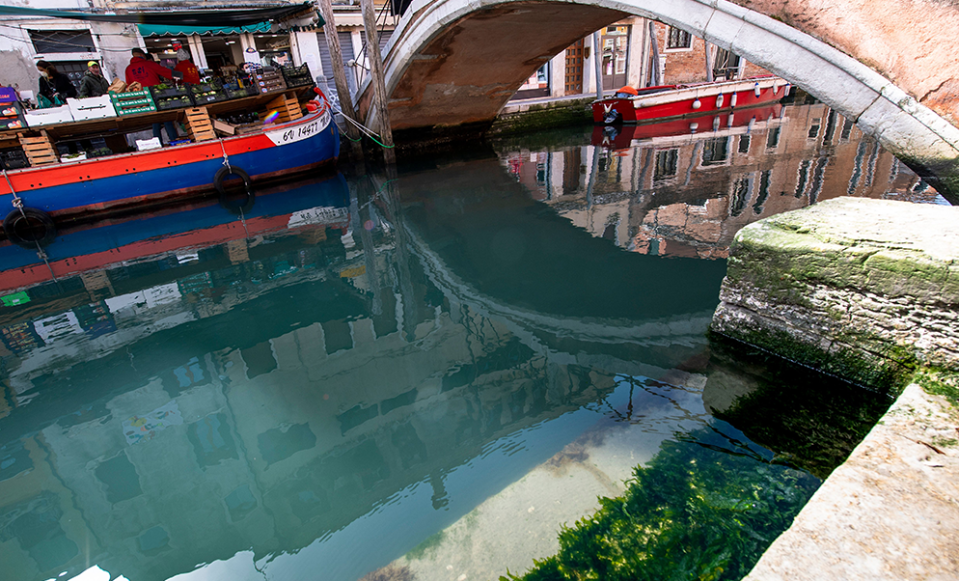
<point>363,129</point>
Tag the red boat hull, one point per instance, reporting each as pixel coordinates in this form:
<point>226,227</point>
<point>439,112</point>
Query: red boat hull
<point>688,100</point>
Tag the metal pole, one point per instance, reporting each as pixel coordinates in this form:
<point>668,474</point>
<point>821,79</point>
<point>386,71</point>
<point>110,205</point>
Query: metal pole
<point>378,80</point>
<point>598,64</point>
<point>339,72</point>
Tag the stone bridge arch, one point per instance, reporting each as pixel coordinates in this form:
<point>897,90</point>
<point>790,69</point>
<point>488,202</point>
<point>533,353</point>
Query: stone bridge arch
<point>456,62</point>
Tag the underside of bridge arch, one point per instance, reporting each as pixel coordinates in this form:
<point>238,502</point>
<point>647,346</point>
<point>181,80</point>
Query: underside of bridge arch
<point>465,74</point>
<point>455,63</point>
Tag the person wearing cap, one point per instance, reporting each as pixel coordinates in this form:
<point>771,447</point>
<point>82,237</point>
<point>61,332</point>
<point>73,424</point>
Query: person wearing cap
<point>93,84</point>
<point>190,73</point>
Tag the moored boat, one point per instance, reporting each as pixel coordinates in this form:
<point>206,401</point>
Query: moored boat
<point>674,101</point>
<point>42,195</point>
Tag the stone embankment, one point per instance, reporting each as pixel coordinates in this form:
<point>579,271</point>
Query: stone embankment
<point>867,290</point>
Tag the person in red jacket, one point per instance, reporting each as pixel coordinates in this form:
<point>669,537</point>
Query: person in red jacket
<point>148,73</point>
<point>191,75</point>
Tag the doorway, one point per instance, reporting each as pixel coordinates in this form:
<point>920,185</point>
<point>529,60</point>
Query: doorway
<point>615,43</point>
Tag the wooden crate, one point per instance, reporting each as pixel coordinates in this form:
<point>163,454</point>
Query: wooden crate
<point>200,124</point>
<point>39,150</point>
<point>288,107</point>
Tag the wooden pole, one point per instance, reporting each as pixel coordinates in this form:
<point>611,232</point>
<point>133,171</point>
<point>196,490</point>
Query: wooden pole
<point>339,71</point>
<point>709,62</point>
<point>598,65</point>
<point>376,69</point>
<point>654,42</point>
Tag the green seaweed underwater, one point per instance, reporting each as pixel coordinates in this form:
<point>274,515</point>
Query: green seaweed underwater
<point>702,509</point>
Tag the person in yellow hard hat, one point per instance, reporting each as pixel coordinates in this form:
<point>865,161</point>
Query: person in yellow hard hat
<point>93,84</point>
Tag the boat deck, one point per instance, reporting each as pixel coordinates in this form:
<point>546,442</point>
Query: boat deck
<point>120,124</point>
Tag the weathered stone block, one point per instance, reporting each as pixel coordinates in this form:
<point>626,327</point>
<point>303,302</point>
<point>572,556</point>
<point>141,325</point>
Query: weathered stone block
<point>864,289</point>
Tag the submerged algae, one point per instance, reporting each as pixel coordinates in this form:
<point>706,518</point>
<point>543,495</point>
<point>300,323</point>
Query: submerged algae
<point>708,504</point>
<point>700,510</point>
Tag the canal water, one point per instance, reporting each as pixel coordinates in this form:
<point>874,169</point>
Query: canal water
<point>424,375</point>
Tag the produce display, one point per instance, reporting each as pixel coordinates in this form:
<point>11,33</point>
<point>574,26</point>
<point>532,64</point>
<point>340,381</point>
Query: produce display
<point>132,99</point>
<point>208,93</point>
<point>170,97</point>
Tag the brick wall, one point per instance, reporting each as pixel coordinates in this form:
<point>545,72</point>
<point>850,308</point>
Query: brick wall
<point>689,65</point>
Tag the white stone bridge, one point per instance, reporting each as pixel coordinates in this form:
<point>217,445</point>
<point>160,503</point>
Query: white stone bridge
<point>889,65</point>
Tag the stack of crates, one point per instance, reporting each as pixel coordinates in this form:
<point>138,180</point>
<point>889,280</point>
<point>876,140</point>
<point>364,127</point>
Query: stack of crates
<point>199,123</point>
<point>287,106</point>
<point>39,150</point>
<point>132,102</point>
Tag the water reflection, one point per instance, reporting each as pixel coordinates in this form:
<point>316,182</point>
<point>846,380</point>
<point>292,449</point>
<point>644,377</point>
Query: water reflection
<point>333,380</point>
<point>684,188</point>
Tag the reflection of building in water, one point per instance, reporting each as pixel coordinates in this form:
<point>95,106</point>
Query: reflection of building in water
<point>683,193</point>
<point>171,426</point>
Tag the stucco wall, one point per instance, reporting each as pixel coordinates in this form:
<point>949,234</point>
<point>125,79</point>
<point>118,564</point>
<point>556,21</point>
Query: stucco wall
<point>910,42</point>
<point>16,71</point>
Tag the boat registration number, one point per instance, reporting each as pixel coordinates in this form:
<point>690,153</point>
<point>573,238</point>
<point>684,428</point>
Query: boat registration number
<point>300,132</point>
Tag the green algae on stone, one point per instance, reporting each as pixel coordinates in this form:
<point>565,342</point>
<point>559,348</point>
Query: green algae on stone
<point>865,289</point>
<point>940,382</point>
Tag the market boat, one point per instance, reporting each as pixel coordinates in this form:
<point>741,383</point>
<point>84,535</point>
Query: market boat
<point>43,194</point>
<point>671,101</point>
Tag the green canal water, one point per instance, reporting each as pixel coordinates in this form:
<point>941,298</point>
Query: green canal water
<point>428,375</point>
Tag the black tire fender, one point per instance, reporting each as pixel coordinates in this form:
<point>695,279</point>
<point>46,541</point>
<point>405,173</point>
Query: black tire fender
<point>231,203</point>
<point>41,229</point>
<point>613,117</point>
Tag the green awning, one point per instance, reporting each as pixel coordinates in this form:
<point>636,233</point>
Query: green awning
<point>201,18</point>
<point>181,30</point>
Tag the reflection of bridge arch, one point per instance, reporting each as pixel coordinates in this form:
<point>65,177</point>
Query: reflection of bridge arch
<point>456,62</point>
<point>537,329</point>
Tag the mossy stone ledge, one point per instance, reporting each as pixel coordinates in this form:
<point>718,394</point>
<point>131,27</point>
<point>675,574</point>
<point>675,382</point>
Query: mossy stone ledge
<point>864,289</point>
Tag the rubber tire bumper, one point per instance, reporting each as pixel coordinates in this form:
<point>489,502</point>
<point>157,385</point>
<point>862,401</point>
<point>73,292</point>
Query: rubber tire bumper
<point>16,219</point>
<point>234,206</point>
